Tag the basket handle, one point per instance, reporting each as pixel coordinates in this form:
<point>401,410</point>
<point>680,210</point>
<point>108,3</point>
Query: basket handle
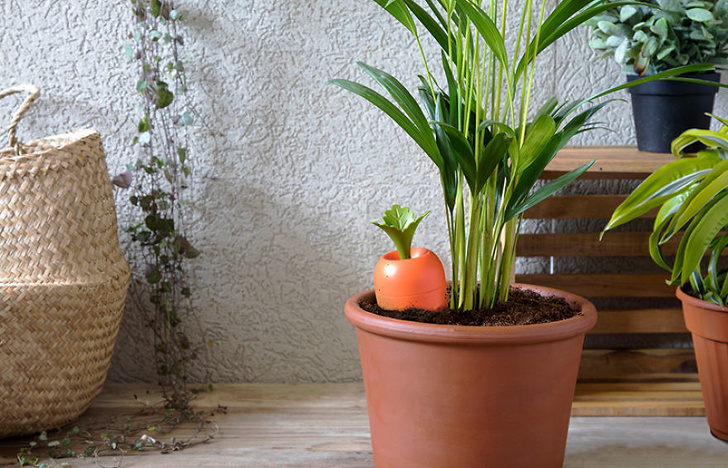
<point>12,127</point>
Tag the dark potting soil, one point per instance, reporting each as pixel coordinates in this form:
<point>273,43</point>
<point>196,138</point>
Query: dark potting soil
<point>524,307</point>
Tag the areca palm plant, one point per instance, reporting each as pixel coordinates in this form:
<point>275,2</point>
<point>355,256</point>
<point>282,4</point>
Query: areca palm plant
<point>478,126</point>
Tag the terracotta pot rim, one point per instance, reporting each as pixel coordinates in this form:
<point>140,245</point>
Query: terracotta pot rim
<point>701,303</point>
<point>426,332</point>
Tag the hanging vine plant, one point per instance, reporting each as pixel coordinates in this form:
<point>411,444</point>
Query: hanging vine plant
<point>160,181</point>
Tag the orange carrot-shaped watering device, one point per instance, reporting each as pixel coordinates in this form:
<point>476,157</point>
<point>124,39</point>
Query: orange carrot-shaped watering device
<point>408,277</point>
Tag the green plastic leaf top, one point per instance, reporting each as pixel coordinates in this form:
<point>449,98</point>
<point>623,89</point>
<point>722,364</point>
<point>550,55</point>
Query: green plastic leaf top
<point>400,224</point>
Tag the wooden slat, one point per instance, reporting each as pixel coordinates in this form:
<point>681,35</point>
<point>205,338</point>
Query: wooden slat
<point>640,321</point>
<point>604,285</point>
<point>638,365</point>
<point>638,399</point>
<point>613,244</point>
<point>579,207</point>
<point>623,162</point>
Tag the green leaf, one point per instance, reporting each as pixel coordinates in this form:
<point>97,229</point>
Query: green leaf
<point>626,12</point>
<point>568,15</point>
<point>436,12</point>
<point>708,189</point>
<point>547,190</point>
<point>187,118</point>
<point>620,53</point>
<point>129,52</point>
<point>660,28</point>
<point>154,276</point>
<point>657,76</point>
<point>155,35</point>
<point>487,29</point>
<point>650,47</point>
<point>703,234</point>
<point>665,52</point>
<point>537,137</point>
<point>497,125</point>
<point>156,6</point>
<point>435,30</point>
<point>707,137</point>
<point>663,217</point>
<point>423,138</point>
<point>489,158</point>
<point>448,171</point>
<point>665,183</point>
<point>700,15</point>
<point>717,246</point>
<point>670,5</point>
<point>182,154</point>
<point>463,153</point>
<point>141,85</point>
<point>400,225</point>
<point>164,98</point>
<point>548,107</point>
<point>453,92</point>
<point>399,11</point>
<point>183,247</point>
<point>400,95</point>
<point>530,174</point>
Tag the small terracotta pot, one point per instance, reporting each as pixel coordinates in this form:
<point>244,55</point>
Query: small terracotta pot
<point>417,282</point>
<point>708,324</point>
<point>469,397</point>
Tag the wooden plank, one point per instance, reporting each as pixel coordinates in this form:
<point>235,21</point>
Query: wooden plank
<point>613,244</point>
<point>638,341</point>
<point>638,399</point>
<point>604,284</point>
<point>612,162</point>
<point>265,425</point>
<point>579,207</point>
<point>326,425</point>
<point>638,365</point>
<point>640,321</point>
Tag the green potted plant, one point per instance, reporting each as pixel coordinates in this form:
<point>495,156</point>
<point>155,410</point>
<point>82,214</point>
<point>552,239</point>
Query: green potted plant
<point>692,198</point>
<point>655,36</point>
<point>450,394</point>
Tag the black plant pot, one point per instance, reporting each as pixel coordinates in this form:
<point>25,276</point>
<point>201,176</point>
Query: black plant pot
<point>663,109</point>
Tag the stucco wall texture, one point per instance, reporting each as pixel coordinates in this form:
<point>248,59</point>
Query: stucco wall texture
<point>289,169</point>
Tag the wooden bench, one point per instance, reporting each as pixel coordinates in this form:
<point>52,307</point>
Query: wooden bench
<point>645,348</point>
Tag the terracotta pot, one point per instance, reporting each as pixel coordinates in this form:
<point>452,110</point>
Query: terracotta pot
<point>708,324</point>
<point>469,397</point>
<point>417,282</point>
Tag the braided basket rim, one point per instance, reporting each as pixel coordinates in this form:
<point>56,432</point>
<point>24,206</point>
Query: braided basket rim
<point>56,143</point>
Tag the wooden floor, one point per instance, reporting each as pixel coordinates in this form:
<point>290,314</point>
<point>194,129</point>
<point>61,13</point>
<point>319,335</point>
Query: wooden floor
<point>326,426</point>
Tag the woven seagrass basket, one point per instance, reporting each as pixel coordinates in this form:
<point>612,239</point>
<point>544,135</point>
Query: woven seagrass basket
<point>63,279</point>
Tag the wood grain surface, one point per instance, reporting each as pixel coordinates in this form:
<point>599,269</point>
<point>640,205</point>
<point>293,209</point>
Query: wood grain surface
<point>611,162</point>
<point>326,425</point>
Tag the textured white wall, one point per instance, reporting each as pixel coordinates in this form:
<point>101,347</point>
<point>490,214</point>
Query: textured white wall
<point>290,170</point>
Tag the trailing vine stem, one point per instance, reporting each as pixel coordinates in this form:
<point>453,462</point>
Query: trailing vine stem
<point>161,178</point>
